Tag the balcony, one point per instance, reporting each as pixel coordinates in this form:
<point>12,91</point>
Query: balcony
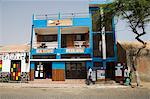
<point>74,40</point>
<point>75,37</point>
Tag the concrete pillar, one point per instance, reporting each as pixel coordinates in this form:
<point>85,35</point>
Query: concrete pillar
<point>103,34</point>
<point>32,66</point>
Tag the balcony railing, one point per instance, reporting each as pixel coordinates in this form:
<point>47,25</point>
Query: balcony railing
<point>81,44</point>
<point>61,16</point>
<point>54,45</point>
<point>61,51</point>
<point>48,45</point>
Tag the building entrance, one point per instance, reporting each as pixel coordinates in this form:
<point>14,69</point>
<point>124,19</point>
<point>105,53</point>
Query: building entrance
<point>76,70</point>
<point>15,70</point>
<point>43,70</point>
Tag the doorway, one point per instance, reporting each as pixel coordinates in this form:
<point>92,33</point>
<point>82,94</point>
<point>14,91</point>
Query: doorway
<point>110,71</point>
<point>76,70</point>
<point>43,70</point>
<point>15,70</point>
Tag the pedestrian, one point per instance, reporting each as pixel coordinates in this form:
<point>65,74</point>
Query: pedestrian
<point>89,77</point>
<point>126,76</point>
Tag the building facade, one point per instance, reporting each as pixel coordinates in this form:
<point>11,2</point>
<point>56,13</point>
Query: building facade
<point>104,39</point>
<point>64,46</point>
<point>14,62</point>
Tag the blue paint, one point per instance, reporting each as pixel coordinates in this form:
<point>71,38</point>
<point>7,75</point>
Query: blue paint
<point>91,36</point>
<point>59,37</point>
<point>76,22</point>
<point>59,33</point>
<point>58,56</point>
<point>100,1</point>
<point>89,64</point>
<point>114,34</point>
<point>61,51</point>
<point>58,65</point>
<point>40,23</point>
<point>108,59</point>
<point>32,65</point>
<point>82,22</point>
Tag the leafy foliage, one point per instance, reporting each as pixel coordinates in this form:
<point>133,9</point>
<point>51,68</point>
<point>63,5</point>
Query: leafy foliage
<point>136,12</point>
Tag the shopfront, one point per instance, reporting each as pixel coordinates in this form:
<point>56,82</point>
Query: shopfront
<point>76,70</point>
<point>43,70</point>
<point>15,70</point>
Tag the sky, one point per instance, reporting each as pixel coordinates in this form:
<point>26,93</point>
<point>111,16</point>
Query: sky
<point>16,18</point>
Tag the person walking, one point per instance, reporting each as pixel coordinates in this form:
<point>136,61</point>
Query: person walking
<point>126,76</point>
<point>89,77</point>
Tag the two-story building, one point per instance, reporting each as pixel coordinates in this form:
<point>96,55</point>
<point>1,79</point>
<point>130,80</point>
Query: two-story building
<point>61,46</point>
<point>64,45</point>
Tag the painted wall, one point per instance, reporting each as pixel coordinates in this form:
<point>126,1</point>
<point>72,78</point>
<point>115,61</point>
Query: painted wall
<point>6,61</point>
<point>143,61</point>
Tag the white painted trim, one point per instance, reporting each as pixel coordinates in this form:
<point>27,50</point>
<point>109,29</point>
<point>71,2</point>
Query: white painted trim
<point>84,59</point>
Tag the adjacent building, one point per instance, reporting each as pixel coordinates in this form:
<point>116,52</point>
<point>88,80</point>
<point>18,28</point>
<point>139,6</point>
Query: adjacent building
<point>14,61</point>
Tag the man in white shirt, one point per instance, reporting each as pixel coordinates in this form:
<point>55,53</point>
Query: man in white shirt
<point>89,76</point>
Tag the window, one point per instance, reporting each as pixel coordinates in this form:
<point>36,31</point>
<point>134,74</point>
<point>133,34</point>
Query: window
<point>46,38</point>
<point>76,70</point>
<point>80,37</point>
<point>97,45</point>
<point>109,45</point>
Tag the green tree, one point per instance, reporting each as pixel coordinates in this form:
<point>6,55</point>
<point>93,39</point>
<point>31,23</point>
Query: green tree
<point>137,14</point>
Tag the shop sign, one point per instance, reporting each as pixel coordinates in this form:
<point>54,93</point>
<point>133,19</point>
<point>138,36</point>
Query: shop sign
<point>100,74</point>
<point>75,50</point>
<point>44,50</point>
<point>118,71</point>
<point>13,56</point>
<point>65,22</point>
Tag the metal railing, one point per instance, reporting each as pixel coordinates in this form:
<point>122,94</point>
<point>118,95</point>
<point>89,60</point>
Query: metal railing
<point>46,44</point>
<point>62,16</point>
<point>53,45</point>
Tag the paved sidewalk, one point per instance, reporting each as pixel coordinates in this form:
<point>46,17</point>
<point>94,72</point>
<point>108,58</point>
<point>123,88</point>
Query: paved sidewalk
<point>29,85</point>
<point>143,85</point>
<point>67,84</point>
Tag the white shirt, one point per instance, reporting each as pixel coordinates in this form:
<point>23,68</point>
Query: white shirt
<point>90,70</point>
<point>126,73</point>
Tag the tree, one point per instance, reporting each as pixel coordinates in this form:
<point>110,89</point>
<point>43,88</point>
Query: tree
<point>137,14</point>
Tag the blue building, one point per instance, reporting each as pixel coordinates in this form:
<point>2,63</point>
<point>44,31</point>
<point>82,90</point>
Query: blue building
<point>64,45</point>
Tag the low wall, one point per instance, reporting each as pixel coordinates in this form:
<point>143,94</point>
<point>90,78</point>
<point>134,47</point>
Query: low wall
<point>143,61</point>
